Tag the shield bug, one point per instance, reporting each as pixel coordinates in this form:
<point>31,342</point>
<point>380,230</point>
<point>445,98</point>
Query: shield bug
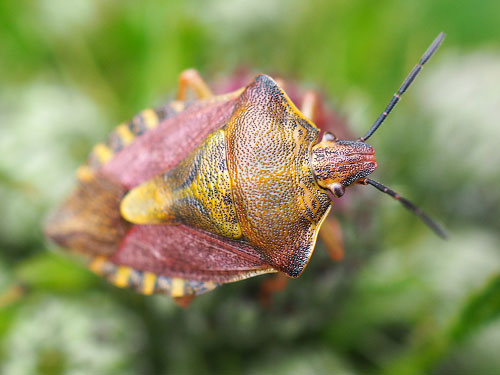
<point>200,193</point>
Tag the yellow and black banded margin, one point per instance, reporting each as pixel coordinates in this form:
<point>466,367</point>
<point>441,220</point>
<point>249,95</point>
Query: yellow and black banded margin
<point>124,134</point>
<point>146,282</point>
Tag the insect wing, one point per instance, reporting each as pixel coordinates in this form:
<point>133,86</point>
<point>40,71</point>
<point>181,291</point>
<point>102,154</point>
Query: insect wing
<point>165,146</point>
<point>188,253</point>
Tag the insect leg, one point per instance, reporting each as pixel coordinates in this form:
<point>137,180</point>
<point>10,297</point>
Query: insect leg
<point>331,235</point>
<point>280,82</point>
<point>190,78</point>
<point>310,105</point>
<point>184,301</point>
<point>275,283</point>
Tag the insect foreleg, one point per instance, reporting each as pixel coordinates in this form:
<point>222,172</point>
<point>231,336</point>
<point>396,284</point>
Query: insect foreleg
<point>331,235</point>
<point>309,105</point>
<point>190,78</point>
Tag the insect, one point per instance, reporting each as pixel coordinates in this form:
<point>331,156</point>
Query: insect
<point>200,193</point>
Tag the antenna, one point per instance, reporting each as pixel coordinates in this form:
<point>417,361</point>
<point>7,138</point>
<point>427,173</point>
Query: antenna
<point>409,205</point>
<point>406,83</point>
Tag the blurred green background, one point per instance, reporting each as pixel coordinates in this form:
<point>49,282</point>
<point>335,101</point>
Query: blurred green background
<point>402,301</point>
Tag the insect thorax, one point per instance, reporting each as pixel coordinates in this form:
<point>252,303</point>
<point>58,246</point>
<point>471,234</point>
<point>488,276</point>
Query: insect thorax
<point>201,189</point>
<point>250,180</point>
<point>278,203</point>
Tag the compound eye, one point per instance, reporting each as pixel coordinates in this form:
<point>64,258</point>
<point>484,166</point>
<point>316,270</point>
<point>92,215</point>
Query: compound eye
<point>337,189</point>
<point>329,136</point>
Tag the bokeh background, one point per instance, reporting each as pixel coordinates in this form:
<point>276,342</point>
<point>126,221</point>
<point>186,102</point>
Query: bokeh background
<point>402,302</point>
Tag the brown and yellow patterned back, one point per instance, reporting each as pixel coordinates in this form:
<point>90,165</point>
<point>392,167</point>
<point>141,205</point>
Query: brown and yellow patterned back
<point>278,203</point>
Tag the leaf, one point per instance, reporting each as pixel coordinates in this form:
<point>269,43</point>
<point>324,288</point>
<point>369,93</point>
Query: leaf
<point>481,309</point>
<point>51,272</point>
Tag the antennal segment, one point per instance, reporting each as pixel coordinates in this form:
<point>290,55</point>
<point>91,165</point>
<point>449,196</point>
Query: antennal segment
<point>406,83</point>
<point>409,205</point>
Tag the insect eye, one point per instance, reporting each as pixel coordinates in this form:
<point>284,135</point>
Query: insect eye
<point>329,136</point>
<point>337,190</point>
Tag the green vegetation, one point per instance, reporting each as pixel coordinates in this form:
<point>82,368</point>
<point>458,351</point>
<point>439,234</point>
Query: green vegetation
<point>402,301</point>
